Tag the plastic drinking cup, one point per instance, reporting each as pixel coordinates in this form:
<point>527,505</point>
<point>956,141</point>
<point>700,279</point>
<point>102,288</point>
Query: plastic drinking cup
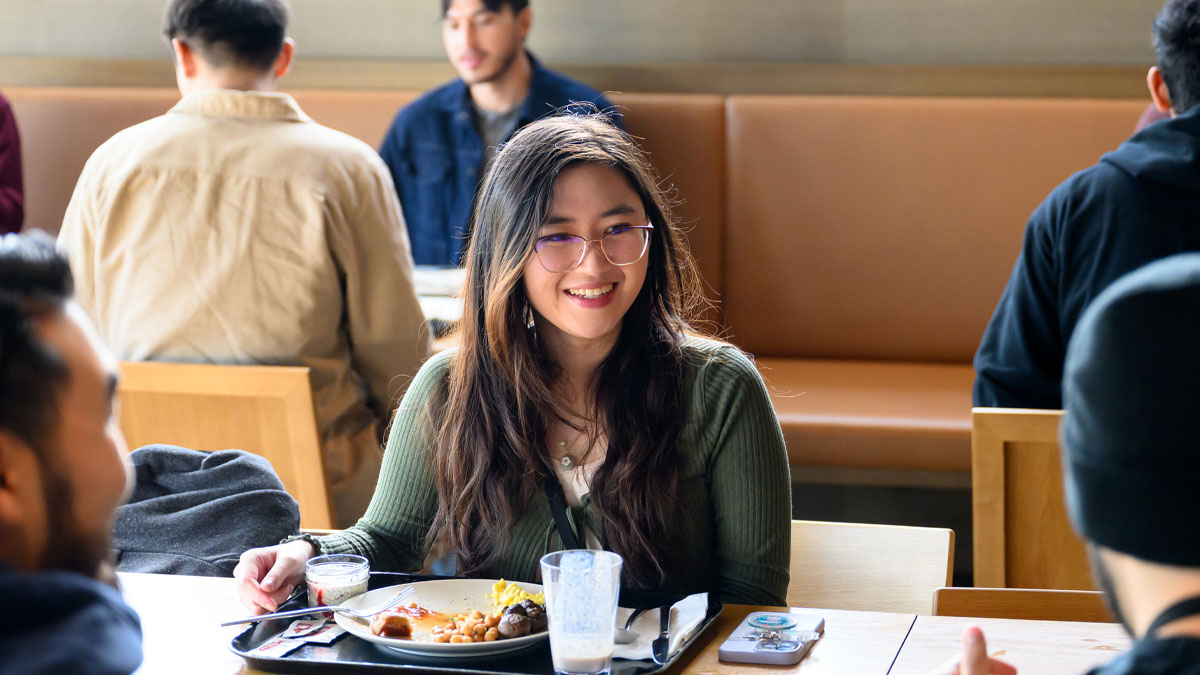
<point>581,604</point>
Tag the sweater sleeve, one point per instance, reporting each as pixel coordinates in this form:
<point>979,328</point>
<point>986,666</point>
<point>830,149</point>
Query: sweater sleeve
<point>1019,361</point>
<point>12,193</point>
<point>749,482</point>
<point>392,533</point>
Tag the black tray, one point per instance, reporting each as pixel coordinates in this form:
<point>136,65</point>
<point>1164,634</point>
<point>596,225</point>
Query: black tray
<point>349,654</point>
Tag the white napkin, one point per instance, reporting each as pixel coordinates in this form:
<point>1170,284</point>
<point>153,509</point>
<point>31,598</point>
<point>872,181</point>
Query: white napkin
<point>686,617</point>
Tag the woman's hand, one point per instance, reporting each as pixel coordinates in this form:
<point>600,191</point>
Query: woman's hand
<point>974,659</point>
<point>266,576</point>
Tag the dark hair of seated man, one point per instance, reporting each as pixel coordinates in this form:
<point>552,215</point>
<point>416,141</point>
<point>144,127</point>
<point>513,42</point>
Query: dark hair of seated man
<point>239,33</point>
<point>494,5</point>
<point>34,281</point>
<point>1176,36</point>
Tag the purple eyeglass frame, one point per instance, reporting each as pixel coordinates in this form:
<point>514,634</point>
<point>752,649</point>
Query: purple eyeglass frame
<point>586,243</point>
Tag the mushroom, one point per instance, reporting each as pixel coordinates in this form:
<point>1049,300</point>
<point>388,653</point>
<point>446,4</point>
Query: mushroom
<point>513,625</point>
<point>537,619</point>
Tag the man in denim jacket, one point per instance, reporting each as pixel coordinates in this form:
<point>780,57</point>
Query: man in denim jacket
<point>438,146</point>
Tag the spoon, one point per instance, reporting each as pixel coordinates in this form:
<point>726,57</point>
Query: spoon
<point>624,635</point>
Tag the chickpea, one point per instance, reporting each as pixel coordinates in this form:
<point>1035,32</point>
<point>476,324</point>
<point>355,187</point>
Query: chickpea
<point>480,629</point>
<point>477,614</point>
<point>443,638</point>
<point>457,639</point>
<point>491,635</point>
<point>492,620</point>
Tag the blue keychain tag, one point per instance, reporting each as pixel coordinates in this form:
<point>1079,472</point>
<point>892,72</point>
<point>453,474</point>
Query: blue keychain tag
<point>773,622</point>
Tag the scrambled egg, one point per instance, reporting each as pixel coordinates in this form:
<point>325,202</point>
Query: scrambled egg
<point>504,594</point>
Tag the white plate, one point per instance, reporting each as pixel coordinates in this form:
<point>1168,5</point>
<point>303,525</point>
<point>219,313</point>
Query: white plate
<point>446,596</point>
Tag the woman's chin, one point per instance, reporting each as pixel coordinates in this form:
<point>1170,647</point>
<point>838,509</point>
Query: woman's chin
<point>587,332</point>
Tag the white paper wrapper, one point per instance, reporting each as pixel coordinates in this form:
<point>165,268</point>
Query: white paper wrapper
<point>686,617</point>
<point>276,647</point>
<point>325,634</point>
<point>302,627</point>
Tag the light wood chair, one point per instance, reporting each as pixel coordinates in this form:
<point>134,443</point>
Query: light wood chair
<point>1022,538</point>
<point>887,568</point>
<point>1022,603</point>
<point>265,410</point>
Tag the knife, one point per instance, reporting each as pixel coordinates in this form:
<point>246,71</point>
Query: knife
<point>661,647</point>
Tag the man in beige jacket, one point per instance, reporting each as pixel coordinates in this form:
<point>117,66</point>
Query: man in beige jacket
<point>234,229</point>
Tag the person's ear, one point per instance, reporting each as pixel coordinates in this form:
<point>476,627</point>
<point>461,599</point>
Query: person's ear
<point>525,22</point>
<point>283,62</point>
<point>185,58</point>
<point>20,484</point>
<point>1158,90</point>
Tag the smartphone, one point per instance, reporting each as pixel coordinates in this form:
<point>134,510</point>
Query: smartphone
<point>773,638</point>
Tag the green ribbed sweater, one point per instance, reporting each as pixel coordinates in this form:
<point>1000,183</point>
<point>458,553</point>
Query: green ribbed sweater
<point>733,480</point>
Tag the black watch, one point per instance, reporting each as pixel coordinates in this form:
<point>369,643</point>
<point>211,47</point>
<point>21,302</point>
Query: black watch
<point>304,536</point>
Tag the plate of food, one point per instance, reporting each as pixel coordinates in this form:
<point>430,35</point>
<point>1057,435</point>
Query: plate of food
<point>454,618</point>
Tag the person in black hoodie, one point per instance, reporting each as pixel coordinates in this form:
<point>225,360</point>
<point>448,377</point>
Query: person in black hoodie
<point>62,475</point>
<point>1130,387</point>
<point>1138,204</point>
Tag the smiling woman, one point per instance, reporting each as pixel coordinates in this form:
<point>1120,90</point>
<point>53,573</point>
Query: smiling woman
<point>579,383</point>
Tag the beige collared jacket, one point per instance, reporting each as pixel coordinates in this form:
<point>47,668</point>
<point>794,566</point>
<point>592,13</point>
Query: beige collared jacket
<point>235,229</point>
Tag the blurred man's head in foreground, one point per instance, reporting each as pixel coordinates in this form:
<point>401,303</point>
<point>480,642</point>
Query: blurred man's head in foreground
<point>1131,386</point>
<point>62,466</point>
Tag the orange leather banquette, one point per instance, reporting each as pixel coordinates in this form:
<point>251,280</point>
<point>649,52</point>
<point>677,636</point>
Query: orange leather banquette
<point>856,246</point>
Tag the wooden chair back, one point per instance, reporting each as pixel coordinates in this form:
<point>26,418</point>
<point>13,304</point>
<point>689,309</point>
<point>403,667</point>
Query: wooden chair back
<point>1022,603</point>
<point>265,410</point>
<point>885,568</point>
<point>1022,537</point>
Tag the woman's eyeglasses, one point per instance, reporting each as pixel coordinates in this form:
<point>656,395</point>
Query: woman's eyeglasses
<point>621,245</point>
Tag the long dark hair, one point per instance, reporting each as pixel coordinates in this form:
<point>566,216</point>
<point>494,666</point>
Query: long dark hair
<point>490,457</point>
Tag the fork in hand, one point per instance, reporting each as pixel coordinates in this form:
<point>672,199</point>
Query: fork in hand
<point>365,613</point>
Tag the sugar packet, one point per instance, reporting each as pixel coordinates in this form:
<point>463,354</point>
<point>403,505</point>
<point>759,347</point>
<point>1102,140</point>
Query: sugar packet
<point>303,627</point>
<point>325,634</point>
<point>276,647</point>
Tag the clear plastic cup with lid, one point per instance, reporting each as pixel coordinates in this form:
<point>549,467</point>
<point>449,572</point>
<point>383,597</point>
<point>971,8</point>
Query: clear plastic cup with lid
<point>333,579</point>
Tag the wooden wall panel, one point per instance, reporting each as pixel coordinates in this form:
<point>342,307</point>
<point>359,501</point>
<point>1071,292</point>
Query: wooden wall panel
<point>706,77</point>
<point>1092,32</point>
<point>1012,31</point>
